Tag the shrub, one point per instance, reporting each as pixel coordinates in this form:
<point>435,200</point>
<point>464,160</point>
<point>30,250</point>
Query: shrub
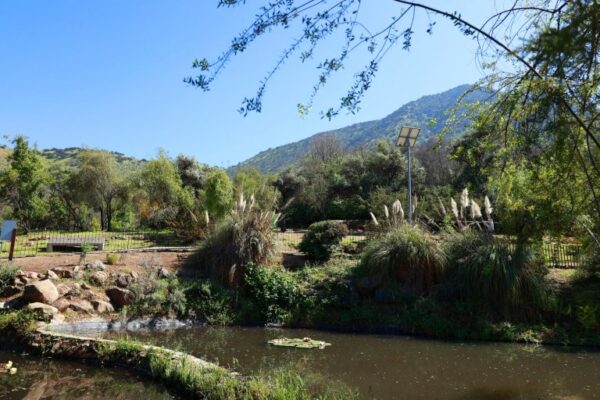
<point>112,258</point>
<point>245,237</point>
<point>407,255</point>
<point>157,297</point>
<point>7,274</point>
<point>322,239</point>
<point>272,291</point>
<point>505,279</point>
<point>208,300</point>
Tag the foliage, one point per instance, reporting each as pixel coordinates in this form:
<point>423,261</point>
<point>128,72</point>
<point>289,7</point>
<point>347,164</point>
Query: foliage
<point>244,237</point>
<point>505,279</point>
<point>155,296</point>
<point>218,193</point>
<point>272,293</point>
<point>21,184</point>
<point>209,301</point>
<point>7,273</point>
<point>407,255</point>
<point>322,239</point>
<point>112,258</point>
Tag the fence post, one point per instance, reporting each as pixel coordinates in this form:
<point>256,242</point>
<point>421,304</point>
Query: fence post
<point>13,239</point>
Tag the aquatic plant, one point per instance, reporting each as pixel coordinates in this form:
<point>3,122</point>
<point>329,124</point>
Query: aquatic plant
<point>304,343</point>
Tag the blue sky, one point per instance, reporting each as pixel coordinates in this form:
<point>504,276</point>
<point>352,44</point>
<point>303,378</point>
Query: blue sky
<point>108,74</point>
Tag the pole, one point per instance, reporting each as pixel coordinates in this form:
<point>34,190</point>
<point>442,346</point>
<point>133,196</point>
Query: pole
<point>13,239</point>
<point>410,209</point>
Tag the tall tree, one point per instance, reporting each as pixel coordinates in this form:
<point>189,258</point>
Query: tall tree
<point>21,183</point>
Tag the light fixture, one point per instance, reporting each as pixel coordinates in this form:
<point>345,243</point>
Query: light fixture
<point>407,136</point>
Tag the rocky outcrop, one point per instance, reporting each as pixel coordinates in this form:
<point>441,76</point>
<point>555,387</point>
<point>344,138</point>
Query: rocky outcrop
<point>99,278</point>
<point>41,292</point>
<point>44,310</point>
<point>119,297</point>
<point>102,307</point>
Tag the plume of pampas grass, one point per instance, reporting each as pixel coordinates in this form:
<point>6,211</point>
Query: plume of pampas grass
<point>386,212</point>
<point>454,208</point>
<point>374,219</point>
<point>464,198</point>
<point>206,218</point>
<point>442,207</point>
<point>487,205</point>
<point>475,210</point>
<point>251,202</point>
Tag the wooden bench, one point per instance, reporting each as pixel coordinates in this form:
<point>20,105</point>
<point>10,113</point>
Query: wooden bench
<point>97,243</point>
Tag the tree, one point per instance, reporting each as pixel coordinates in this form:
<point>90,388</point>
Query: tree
<point>21,184</point>
<point>218,193</point>
<point>100,184</point>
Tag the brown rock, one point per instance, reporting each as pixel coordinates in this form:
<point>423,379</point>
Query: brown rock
<point>52,275</point>
<point>79,305</point>
<point>99,278</point>
<point>102,307</point>
<point>43,310</point>
<point>119,297</point>
<point>41,291</point>
<point>62,304</point>
<point>10,291</point>
<point>122,281</point>
<point>62,289</point>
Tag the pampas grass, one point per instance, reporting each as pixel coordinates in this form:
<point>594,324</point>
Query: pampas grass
<point>407,255</point>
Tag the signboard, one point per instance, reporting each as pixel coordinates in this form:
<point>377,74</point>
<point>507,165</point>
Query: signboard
<point>8,226</point>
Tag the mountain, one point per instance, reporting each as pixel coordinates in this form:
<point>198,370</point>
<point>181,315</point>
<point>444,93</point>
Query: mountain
<point>68,156</point>
<point>418,113</point>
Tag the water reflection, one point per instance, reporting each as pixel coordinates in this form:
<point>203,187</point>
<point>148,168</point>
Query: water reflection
<point>57,379</point>
<point>386,367</point>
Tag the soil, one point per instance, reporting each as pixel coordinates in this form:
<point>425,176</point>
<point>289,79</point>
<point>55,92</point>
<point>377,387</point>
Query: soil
<point>130,261</point>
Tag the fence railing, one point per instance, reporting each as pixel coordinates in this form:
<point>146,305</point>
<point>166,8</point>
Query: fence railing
<point>556,255</point>
<point>47,242</point>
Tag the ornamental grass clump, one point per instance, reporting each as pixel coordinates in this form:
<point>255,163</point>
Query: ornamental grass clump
<point>323,239</point>
<point>407,255</point>
<point>245,237</point>
<point>505,279</point>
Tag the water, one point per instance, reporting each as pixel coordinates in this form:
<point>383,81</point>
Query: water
<point>392,367</point>
<point>58,379</point>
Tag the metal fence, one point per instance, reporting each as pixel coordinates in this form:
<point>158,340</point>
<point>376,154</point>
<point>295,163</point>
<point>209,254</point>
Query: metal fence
<point>562,255</point>
<point>47,242</point>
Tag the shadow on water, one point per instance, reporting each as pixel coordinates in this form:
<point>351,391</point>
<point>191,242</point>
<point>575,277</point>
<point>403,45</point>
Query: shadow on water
<point>48,379</point>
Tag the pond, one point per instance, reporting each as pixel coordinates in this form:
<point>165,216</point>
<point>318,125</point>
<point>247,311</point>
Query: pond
<point>58,379</point>
<point>394,367</point>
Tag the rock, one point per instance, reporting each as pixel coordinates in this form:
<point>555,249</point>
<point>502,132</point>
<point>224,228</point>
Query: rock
<point>32,275</point>
<point>79,305</point>
<point>99,278</point>
<point>62,304</point>
<point>41,292</point>
<point>62,289</point>
<point>369,284</point>
<point>52,275</point>
<point>119,297</point>
<point>24,280</point>
<point>43,310</point>
<point>68,273</point>
<point>134,276</point>
<point>163,273</point>
<point>95,266</point>
<point>10,291</point>
<point>102,307</point>
<point>85,286</point>
<point>122,281</point>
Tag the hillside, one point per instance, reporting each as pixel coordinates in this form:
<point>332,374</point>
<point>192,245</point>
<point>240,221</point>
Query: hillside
<point>68,156</point>
<point>365,134</point>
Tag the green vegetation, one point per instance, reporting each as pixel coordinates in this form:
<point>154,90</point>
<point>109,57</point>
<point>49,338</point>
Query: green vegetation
<point>112,258</point>
<point>323,239</point>
<point>7,273</point>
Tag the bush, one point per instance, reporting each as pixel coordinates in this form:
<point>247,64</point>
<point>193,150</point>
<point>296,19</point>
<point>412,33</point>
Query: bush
<point>322,239</point>
<point>157,297</point>
<point>245,237</point>
<point>505,279</point>
<point>407,255</point>
<point>7,274</point>
<point>273,293</point>
<point>112,258</point>
<point>208,300</point>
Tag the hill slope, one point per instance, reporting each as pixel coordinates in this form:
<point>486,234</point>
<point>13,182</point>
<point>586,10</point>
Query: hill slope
<point>365,134</point>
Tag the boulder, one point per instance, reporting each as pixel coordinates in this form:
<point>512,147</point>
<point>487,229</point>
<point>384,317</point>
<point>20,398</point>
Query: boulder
<point>85,286</point>
<point>62,289</point>
<point>122,280</point>
<point>95,266</point>
<point>43,310</point>
<point>163,273</point>
<point>102,307</point>
<point>99,278</point>
<point>82,306</point>
<point>52,275</point>
<point>41,292</point>
<point>62,304</point>
<point>68,273</point>
<point>119,297</point>
<point>10,291</point>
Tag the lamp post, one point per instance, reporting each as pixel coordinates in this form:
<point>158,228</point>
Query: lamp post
<point>407,137</point>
